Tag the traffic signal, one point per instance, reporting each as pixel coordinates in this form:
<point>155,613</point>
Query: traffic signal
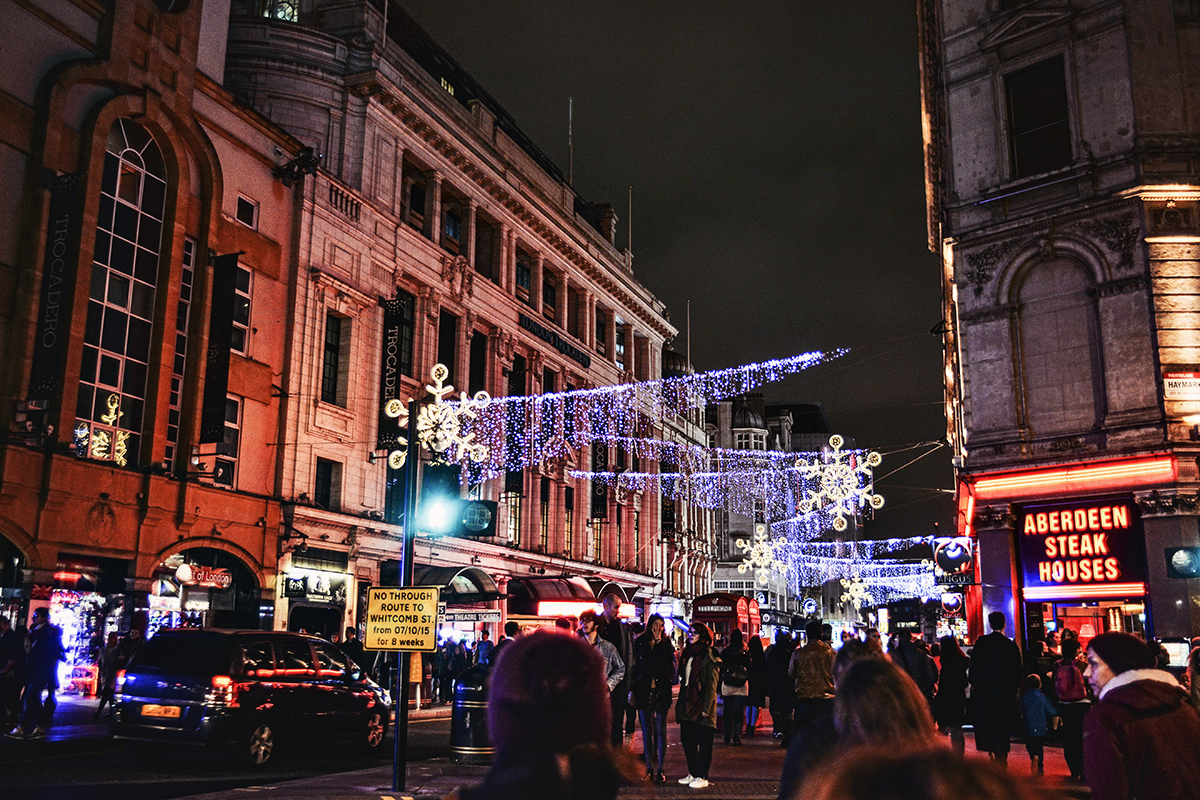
<point>443,512</point>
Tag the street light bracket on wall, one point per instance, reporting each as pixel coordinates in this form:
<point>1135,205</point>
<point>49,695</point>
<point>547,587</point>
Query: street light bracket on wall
<point>305,163</point>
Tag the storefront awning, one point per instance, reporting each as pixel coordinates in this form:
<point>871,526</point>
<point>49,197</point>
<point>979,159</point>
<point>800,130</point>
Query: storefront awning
<point>459,584</point>
<point>602,587</point>
<point>550,597</point>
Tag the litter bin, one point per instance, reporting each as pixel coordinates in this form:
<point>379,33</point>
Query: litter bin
<point>469,741</point>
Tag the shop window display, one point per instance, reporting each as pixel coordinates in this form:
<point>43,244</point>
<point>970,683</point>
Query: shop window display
<point>86,619</point>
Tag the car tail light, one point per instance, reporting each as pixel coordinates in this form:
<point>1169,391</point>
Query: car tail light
<point>224,691</point>
<point>120,682</point>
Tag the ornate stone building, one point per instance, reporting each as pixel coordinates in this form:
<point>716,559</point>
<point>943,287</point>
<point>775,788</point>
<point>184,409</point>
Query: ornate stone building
<point>430,198</point>
<point>146,263</point>
<point>1061,170</point>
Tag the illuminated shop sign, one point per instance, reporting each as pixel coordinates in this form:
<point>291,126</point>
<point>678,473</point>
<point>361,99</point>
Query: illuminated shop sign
<point>212,577</point>
<point>1081,549</point>
<point>952,561</point>
<point>315,586</point>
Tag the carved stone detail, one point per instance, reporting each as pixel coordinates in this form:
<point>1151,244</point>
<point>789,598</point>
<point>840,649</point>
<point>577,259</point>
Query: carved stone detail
<point>1118,234</point>
<point>1123,286</point>
<point>992,517</point>
<point>981,265</point>
<point>458,276</point>
<point>984,315</point>
<point>1169,503</point>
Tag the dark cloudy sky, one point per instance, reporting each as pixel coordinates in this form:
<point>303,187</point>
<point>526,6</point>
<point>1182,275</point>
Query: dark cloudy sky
<point>774,150</point>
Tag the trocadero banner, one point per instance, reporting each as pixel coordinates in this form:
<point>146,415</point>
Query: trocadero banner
<point>62,253</point>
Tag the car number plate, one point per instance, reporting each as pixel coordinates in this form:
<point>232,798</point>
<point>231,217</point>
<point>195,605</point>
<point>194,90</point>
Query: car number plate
<point>153,710</point>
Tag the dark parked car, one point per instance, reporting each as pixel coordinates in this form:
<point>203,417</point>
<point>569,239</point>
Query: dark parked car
<point>247,689</point>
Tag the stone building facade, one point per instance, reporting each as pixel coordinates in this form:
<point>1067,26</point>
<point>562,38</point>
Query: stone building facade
<point>429,197</point>
<point>146,258</point>
<point>1061,170</point>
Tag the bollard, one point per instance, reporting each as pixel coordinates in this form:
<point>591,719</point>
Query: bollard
<point>469,741</point>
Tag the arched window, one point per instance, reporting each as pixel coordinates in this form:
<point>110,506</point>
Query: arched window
<point>1058,348</point>
<point>119,332</point>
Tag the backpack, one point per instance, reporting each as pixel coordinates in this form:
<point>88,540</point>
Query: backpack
<point>735,675</point>
<point>1068,683</point>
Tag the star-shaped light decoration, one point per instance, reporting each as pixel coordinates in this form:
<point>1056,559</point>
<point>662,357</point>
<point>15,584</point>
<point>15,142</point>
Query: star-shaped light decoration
<point>842,484</point>
<point>760,556</point>
<point>439,424</point>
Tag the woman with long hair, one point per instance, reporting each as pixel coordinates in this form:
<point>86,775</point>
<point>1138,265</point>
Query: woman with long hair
<point>735,674</point>
<point>950,702</point>
<point>757,683</point>
<point>653,676</point>
<point>696,711</point>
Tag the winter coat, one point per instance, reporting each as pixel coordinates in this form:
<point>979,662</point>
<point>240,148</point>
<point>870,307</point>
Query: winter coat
<point>758,677</point>
<point>1036,711</point>
<point>620,636</point>
<point>950,702</point>
<point>653,673</point>
<point>811,669</point>
<point>919,666</point>
<point>614,667</point>
<point>44,649</point>
<point>699,673</point>
<point>779,683</point>
<point>1141,740</point>
<point>996,674</point>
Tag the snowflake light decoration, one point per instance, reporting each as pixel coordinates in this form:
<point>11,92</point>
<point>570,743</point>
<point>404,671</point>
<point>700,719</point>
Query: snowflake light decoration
<point>840,484</point>
<point>440,424</point>
<point>760,556</point>
<point>855,591</point>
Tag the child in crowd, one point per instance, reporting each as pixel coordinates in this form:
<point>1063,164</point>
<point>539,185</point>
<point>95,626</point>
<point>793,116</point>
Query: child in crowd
<point>1037,714</point>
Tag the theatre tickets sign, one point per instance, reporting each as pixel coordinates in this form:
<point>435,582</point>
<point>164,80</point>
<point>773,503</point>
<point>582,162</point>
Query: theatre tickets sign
<point>1090,548</point>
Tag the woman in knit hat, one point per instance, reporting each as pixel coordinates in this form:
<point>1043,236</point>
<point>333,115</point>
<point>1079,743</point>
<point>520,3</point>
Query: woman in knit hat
<point>1141,739</point>
<point>549,721</point>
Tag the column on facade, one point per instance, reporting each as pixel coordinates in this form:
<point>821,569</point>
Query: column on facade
<point>398,180</point>
<point>535,282</point>
<point>432,229</point>
<point>505,265</point>
<point>468,239</point>
<point>587,304</point>
<point>425,346</point>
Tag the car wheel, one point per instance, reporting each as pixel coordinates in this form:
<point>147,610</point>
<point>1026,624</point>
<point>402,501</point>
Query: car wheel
<point>374,731</point>
<point>259,745</point>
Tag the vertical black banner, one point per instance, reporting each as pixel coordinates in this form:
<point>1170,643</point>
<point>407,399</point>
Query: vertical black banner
<point>390,429</point>
<point>600,487</point>
<point>220,339</point>
<point>62,254</point>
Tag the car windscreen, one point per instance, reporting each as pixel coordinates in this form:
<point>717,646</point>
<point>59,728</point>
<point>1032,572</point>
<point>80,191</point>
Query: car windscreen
<point>193,656</point>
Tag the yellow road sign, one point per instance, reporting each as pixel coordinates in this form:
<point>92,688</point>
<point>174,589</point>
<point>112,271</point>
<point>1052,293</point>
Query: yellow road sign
<point>402,618</point>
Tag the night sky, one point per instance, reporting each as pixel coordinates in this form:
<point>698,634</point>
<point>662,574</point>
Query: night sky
<point>774,150</point>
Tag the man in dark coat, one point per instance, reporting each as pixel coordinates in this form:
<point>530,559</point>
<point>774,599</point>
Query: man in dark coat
<point>12,656</point>
<point>995,681</point>
<point>917,663</point>
<point>619,635</point>
<point>43,651</point>
<point>780,688</point>
<point>352,646</point>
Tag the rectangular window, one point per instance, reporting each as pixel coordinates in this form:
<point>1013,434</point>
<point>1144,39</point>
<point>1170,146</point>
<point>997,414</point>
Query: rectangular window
<point>549,295</point>
<point>327,488</point>
<point>569,521</point>
<point>573,312</point>
<point>619,538</point>
<point>332,360</point>
<point>1039,131</point>
<point>453,224</point>
<point>408,328</point>
<point>544,522</point>
<point>225,464</point>
<point>524,276</point>
<point>477,369</point>
<point>594,530</point>
<point>240,340</point>
<point>247,212</point>
<point>485,249</point>
<point>447,352</point>
<point>601,332</point>
<point>619,347</point>
<point>513,531</point>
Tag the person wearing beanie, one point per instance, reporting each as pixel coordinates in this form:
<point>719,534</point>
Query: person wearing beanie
<point>1140,739</point>
<point>549,720</point>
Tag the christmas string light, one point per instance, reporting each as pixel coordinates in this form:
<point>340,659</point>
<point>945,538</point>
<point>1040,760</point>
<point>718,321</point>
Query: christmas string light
<point>522,431</point>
